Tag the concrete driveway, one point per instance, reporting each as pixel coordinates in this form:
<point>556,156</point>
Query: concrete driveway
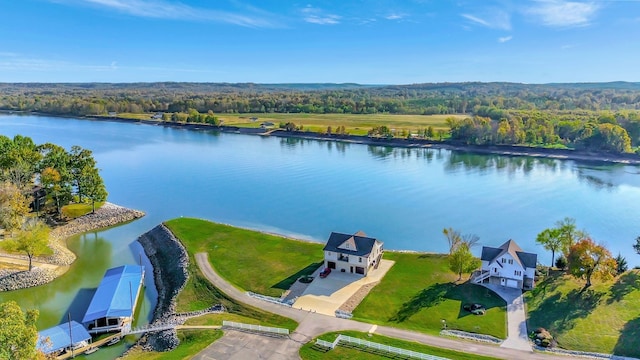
<point>237,345</point>
<point>326,295</point>
<point>517,337</point>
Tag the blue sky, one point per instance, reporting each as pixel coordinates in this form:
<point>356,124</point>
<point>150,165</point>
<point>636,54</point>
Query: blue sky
<point>368,42</point>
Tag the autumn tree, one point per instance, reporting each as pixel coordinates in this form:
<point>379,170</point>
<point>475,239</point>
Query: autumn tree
<point>32,240</point>
<point>18,333</point>
<point>587,259</point>
<point>52,181</point>
<point>14,206</point>
<point>461,260</point>
<point>93,186</point>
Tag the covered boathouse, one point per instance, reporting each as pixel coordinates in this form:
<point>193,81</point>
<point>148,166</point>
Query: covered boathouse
<point>64,337</point>
<point>114,301</point>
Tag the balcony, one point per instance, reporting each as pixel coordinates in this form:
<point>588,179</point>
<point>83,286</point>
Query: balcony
<point>344,258</point>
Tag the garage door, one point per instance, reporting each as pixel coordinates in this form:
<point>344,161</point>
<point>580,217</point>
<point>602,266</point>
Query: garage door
<point>512,283</point>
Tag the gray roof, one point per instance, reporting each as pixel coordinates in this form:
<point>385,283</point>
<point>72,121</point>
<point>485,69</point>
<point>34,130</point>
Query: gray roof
<point>527,260</point>
<point>364,244</point>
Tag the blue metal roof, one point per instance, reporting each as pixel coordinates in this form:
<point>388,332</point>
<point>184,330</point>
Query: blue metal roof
<point>58,337</point>
<point>115,294</point>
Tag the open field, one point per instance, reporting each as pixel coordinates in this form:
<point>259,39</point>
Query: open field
<point>311,352</point>
<point>191,342</point>
<point>355,124</point>
<point>419,292</point>
<point>250,260</point>
<point>73,211</point>
<point>602,318</point>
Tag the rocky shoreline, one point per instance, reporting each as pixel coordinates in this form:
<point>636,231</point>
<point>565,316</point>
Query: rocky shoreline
<point>108,215</point>
<point>170,260</point>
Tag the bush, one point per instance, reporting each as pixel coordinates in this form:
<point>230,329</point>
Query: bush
<point>543,337</point>
<point>561,262</point>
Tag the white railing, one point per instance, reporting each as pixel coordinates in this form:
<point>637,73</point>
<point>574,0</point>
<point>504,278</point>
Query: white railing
<point>270,299</point>
<point>148,328</point>
<point>343,314</point>
<point>483,275</point>
<point>326,344</point>
<point>376,346</point>
<point>259,328</point>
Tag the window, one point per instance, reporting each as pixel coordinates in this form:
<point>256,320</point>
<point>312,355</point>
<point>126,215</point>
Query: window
<point>495,270</point>
<point>360,259</point>
<point>510,261</point>
<point>517,273</point>
<point>504,260</point>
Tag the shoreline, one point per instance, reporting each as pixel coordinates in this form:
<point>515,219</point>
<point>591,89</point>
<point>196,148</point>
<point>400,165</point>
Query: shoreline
<point>503,150</point>
<point>59,262</point>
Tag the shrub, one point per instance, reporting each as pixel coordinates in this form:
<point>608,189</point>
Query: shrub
<point>561,262</point>
<point>543,337</point>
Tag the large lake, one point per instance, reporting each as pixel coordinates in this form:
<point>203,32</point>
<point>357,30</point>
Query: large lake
<point>307,188</point>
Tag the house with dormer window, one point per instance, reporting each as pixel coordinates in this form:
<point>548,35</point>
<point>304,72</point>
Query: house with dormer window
<point>356,254</point>
<point>507,265</point>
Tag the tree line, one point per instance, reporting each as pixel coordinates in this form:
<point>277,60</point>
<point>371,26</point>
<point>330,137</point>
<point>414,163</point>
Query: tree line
<point>427,99</point>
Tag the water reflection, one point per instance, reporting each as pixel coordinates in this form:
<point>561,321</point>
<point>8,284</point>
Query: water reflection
<point>484,163</point>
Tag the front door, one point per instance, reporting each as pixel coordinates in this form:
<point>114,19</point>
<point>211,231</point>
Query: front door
<point>502,281</point>
<point>352,269</point>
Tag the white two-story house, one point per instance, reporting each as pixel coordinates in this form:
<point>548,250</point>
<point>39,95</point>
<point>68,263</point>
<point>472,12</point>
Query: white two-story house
<point>507,265</point>
<point>355,253</point>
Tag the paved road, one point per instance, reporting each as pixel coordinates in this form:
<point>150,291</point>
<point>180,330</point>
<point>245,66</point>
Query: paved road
<point>314,324</point>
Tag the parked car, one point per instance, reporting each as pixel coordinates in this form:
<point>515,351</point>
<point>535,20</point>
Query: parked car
<point>325,273</point>
<point>476,309</point>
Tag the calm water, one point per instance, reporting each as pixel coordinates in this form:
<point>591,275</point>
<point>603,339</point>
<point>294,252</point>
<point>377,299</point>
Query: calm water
<point>307,189</point>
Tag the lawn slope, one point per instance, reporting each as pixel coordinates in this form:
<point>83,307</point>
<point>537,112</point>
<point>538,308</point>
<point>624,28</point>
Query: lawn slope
<point>602,318</point>
<point>418,293</point>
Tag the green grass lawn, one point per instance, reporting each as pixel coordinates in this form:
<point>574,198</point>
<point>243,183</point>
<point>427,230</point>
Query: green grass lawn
<point>191,342</point>
<point>73,211</point>
<point>217,319</point>
<point>250,260</point>
<point>355,124</point>
<point>418,293</point>
<point>312,352</point>
<point>603,318</point>
<point>199,293</point>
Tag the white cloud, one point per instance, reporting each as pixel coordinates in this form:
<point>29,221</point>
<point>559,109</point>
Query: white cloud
<point>394,16</point>
<point>504,39</point>
<point>494,19</point>
<point>176,11</point>
<point>562,13</point>
<point>318,16</point>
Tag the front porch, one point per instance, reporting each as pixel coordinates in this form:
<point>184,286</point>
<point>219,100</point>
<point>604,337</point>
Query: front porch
<point>486,277</point>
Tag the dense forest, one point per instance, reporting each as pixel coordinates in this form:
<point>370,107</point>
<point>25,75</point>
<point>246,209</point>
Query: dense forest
<point>591,116</point>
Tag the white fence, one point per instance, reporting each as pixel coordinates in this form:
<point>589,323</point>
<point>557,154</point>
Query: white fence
<point>343,314</point>
<point>376,346</point>
<point>270,299</point>
<point>259,328</point>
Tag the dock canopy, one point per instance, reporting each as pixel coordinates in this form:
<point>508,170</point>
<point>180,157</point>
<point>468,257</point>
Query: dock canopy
<point>57,338</point>
<point>116,293</point>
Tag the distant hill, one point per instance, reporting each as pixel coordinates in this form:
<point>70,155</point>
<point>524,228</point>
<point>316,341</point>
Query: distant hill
<point>460,87</point>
